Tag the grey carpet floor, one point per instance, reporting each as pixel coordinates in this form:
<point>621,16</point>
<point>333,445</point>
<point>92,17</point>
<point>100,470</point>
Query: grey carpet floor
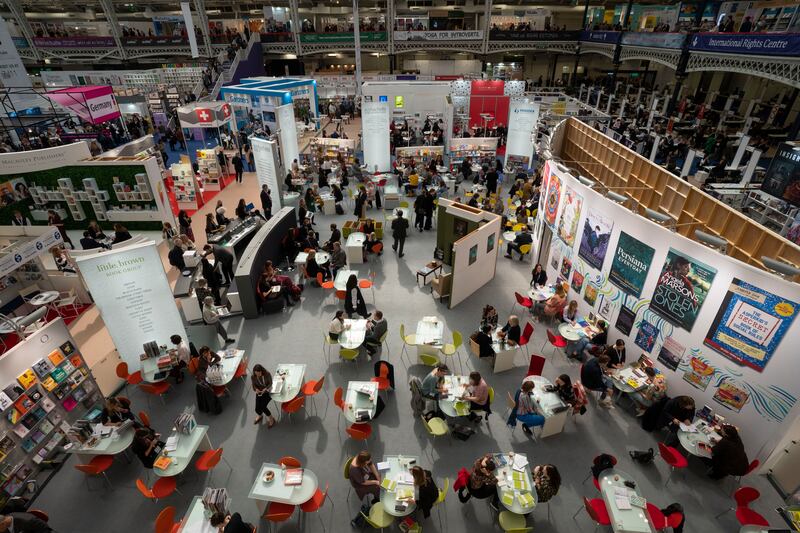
<point>314,437</point>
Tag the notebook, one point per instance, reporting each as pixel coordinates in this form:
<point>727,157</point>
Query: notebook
<point>507,498</point>
<point>293,476</point>
<point>388,484</point>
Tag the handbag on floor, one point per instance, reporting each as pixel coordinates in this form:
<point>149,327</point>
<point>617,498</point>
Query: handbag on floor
<point>462,432</point>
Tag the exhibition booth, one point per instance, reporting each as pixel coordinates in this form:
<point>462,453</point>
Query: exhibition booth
<point>261,97</point>
<point>684,280</point>
<point>411,101</point>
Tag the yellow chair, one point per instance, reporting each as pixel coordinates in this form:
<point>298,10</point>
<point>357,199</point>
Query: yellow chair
<point>452,349</point>
<point>513,522</point>
<point>525,249</point>
<point>518,227</point>
<point>385,343</point>
<point>378,518</point>
<point>346,354</point>
<point>327,342</point>
<point>408,340</point>
<point>428,359</point>
<point>440,500</point>
<point>436,427</point>
<point>403,204</point>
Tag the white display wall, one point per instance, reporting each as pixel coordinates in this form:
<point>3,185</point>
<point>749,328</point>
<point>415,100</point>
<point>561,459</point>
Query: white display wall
<point>760,396</point>
<point>375,135</point>
<point>287,133</point>
<point>266,159</point>
<point>523,121</point>
<point>419,98</point>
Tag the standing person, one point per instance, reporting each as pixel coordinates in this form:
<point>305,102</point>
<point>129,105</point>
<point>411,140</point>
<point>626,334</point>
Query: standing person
<point>419,212</point>
<point>211,317</point>
<point>399,230</point>
<point>360,202</point>
<point>262,384</point>
<point>185,223</point>
<point>238,166</point>
<point>212,276</point>
<point>426,489</point>
<point>266,201</point>
<point>428,204</point>
<point>53,219</point>
<point>354,295</point>
<point>225,259</point>
<point>491,181</point>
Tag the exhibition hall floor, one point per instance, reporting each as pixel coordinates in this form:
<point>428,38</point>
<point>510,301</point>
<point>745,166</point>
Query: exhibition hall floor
<point>316,436</point>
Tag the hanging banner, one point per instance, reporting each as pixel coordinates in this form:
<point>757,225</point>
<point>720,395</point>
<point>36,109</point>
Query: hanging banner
<point>375,117</point>
<point>187,19</point>
<point>12,70</point>
<point>22,253</point>
<point>631,263</point>
<point>287,132</point>
<point>205,114</point>
<point>92,103</point>
<point>782,44</point>
<point>130,288</point>
<point>463,35</point>
<point>750,324</point>
<point>523,124</point>
<point>267,167</point>
<point>681,289</point>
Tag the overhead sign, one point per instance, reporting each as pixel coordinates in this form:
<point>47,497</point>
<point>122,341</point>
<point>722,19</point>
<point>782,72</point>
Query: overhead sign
<point>12,70</point>
<point>508,35</point>
<point>74,42</point>
<point>463,35</point>
<point>655,40</point>
<point>93,103</point>
<point>611,37</point>
<point>22,253</point>
<point>44,159</point>
<point>205,114</point>
<point>342,37</point>
<point>783,44</point>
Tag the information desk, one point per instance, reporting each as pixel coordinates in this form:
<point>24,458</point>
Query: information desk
<point>621,502</point>
<point>237,235</point>
<point>277,491</point>
<point>188,445</point>
<point>354,247</point>
<point>550,405</point>
<point>111,445</point>
<point>287,381</point>
<point>516,483</point>
<point>430,333</point>
<point>397,478</point>
<point>360,395</point>
<point>354,333</point>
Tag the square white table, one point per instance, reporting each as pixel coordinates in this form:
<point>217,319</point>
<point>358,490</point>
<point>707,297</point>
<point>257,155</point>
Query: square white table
<point>354,247</point>
<point>504,475</point>
<point>355,400</point>
<point>430,335</point>
<point>195,519</point>
<point>111,445</point>
<point>340,282</point>
<point>188,445</point>
<point>399,467</point>
<point>505,354</point>
<point>354,333</point>
<point>633,520</point>
<point>391,196</point>
<point>276,491</point>
<point>328,202</point>
<point>292,381</point>
<point>551,407</point>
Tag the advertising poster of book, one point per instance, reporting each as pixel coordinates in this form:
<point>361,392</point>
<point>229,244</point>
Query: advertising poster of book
<point>632,260</point>
<point>594,241</point>
<point>473,254</point>
<point>566,267</point>
<point>671,353</point>
<point>731,396</point>
<point>552,200</point>
<point>555,255</point>
<point>681,289</point>
<point>647,336</point>
<point>606,307</point>
<point>590,294</point>
<point>625,320</point>
<point>570,216</point>
<point>750,324</point>
<point>699,374</point>
<point>782,179</point>
<point>577,281</point>
<point>545,184</point>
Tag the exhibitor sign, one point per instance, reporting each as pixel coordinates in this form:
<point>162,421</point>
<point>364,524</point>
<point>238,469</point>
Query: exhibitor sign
<point>784,44</point>
<point>464,35</point>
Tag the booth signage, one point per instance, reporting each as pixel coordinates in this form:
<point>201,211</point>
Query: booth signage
<point>94,104</point>
<point>783,175</point>
<point>266,160</point>
<point>784,44</point>
<point>22,253</point>
<point>45,159</point>
<point>102,108</point>
<point>159,40</point>
<point>343,37</point>
<point>611,37</point>
<point>504,35</point>
<point>375,118</point>
<point>655,40</point>
<point>287,132</point>
<point>12,70</point>
<point>464,35</point>
<point>74,42</point>
<point>523,122</point>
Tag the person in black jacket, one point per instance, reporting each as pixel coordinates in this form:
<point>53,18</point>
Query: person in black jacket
<point>399,230</point>
<point>238,167</point>
<point>121,234</point>
<point>224,258</point>
<point>212,276</point>
<point>484,340</point>
<point>594,378</point>
<point>677,410</point>
<point>175,256</point>
<point>538,276</point>
<point>230,523</point>
<point>266,202</point>
<point>427,203</point>
<point>354,295</point>
<point>88,243</point>
<point>522,238</point>
<point>427,491</point>
<point>23,523</point>
<point>491,181</point>
<point>511,331</point>
<point>728,457</point>
<point>419,212</point>
<point>147,446</point>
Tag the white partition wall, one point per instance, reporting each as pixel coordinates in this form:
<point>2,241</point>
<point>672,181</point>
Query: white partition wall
<point>288,134</point>
<point>721,331</point>
<point>375,135</point>
<point>523,122</point>
<point>265,156</point>
<point>474,254</point>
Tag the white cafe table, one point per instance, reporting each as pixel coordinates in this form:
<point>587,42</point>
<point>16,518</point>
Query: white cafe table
<point>441,170</point>
<point>150,369</point>
<point>624,378</point>
<point>456,387</point>
<point>540,295</point>
<point>399,468</point>
<point>355,399</point>
<point>570,332</point>
<point>430,333</point>
<point>292,376</point>
<point>276,491</point>
<point>188,445</point>
<point>45,299</point>
<point>353,247</point>
<point>328,201</point>
<point>391,196</point>
<point>505,353</point>
<point>509,236</point>
<point>321,257</point>
<point>505,479</point>
<point>353,334</point>
<point>340,282</point>
<point>229,359</point>
<point>690,440</point>
<point>633,520</point>
<point>111,445</point>
<point>196,520</point>
<point>551,407</point>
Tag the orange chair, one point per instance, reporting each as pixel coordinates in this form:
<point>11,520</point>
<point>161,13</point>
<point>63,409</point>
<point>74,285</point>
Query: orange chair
<point>131,379</point>
<point>673,458</point>
<point>144,418</point>
<point>341,295</point>
<point>382,379</point>
<point>294,405</point>
<point>368,284</point>
<point>41,515</point>
<point>165,523</point>
<point>194,364</point>
<point>97,467</point>
<point>289,462</point>
<point>155,389</point>
<point>315,503</point>
<point>162,488</point>
<point>209,460</point>
<point>324,284</point>
<point>241,371</point>
<point>312,388</point>
<point>360,432</point>
<point>278,512</point>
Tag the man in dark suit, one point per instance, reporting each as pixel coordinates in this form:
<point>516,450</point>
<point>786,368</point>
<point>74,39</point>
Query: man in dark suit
<point>231,523</point>
<point>266,202</point>
<point>399,231</point>
<point>522,238</point>
<point>23,523</point>
<point>225,259</point>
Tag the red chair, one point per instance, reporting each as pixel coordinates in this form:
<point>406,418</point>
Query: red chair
<point>209,460</point>
<point>289,462</point>
<point>97,467</point>
<point>165,523</point>
<point>278,512</point>
<point>755,463</point>
<point>527,335</point>
<point>382,379</point>
<point>241,371</point>
<point>360,432</point>
<point>294,405</point>
<point>596,509</point>
<point>595,461</point>
<point>324,284</point>
<point>536,365</point>
<point>744,515</point>
<point>155,389</point>
<point>315,503</point>
<point>130,379</point>
<point>657,518</point>
<point>555,340</point>
<point>144,418</point>
<point>596,483</point>
<point>162,488</point>
<point>312,388</point>
<point>672,457</point>
<point>675,519</point>
<point>41,515</point>
<point>524,301</point>
<point>338,401</point>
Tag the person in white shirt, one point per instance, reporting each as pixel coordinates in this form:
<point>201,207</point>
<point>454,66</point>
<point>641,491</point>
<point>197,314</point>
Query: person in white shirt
<point>336,326</point>
<point>211,317</point>
<point>181,349</point>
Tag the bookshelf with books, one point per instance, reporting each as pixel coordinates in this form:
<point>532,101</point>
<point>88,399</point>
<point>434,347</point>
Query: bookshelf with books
<point>53,388</point>
<point>475,147</point>
<point>184,185</point>
<point>322,148</point>
<point>209,169</point>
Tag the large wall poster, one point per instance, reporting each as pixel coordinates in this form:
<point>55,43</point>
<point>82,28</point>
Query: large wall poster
<point>594,241</point>
<point>647,336</point>
<point>731,396</point>
<point>631,262</point>
<point>782,179</point>
<point>750,324</point>
<point>681,289</point>
<point>699,373</point>
<point>570,216</point>
<point>546,172</point>
<point>671,353</point>
<point>552,200</point>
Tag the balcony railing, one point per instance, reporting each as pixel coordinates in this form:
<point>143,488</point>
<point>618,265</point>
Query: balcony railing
<point>342,37</point>
<point>277,37</point>
<point>512,35</point>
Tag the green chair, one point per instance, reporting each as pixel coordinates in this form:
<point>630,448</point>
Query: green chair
<point>385,343</point>
<point>378,518</point>
<point>403,204</point>
<point>440,500</point>
<point>428,359</point>
<point>347,476</point>
<point>408,340</point>
<point>436,426</point>
<point>513,522</point>
<point>327,342</point>
<point>345,354</point>
<point>452,349</point>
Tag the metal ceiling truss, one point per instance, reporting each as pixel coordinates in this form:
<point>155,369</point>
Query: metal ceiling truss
<point>781,69</point>
<point>668,57</point>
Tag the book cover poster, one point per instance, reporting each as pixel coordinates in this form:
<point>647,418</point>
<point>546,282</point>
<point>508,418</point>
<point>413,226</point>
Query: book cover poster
<point>13,391</point>
<point>625,320</point>
<point>55,357</point>
<point>42,367</point>
<point>632,260</point>
<point>594,240</point>
<point>27,379</point>
<point>5,401</point>
<point>590,294</point>
<point>577,281</point>
<point>555,255</point>
<point>750,324</point>
<point>67,348</point>
<point>681,289</point>
<point>699,373</point>
<point>671,353</point>
<point>646,336</point>
<point>552,200</point>
<point>606,307</point>
<point>545,185</point>
<point>566,267</point>
<point>731,396</point>
<point>570,216</point>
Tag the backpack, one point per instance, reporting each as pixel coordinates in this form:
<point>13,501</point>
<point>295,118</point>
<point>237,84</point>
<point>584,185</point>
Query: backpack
<point>644,458</point>
<point>417,401</point>
<point>604,462</point>
<point>462,432</point>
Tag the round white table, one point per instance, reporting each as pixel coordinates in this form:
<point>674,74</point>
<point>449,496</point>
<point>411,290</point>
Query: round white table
<point>540,295</point>
<point>509,236</point>
<point>691,441</point>
<point>6,328</point>
<point>570,332</point>
<point>44,298</point>
<point>322,257</point>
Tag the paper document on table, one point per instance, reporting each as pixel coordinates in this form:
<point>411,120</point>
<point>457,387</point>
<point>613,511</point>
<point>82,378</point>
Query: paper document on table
<point>405,477</point>
<point>383,466</point>
<point>508,498</point>
<point>389,484</point>
<point>520,462</point>
<point>688,428</point>
<point>623,503</point>
<point>172,443</point>
<point>525,499</point>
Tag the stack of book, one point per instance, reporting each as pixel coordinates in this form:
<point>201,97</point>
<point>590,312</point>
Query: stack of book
<point>163,362</point>
<point>81,431</point>
<point>185,423</point>
<point>216,500</point>
<point>293,476</point>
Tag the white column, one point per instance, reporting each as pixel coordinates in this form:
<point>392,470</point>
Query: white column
<point>622,106</point>
<point>599,94</point>
<point>747,175</point>
<point>687,164</point>
<point>656,142</point>
<point>652,112</point>
<point>357,35</point>
<point>639,97</point>
<point>608,105</point>
<point>740,151</point>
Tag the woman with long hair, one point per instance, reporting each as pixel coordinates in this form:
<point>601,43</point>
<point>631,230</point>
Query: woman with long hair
<point>262,384</point>
<point>353,294</point>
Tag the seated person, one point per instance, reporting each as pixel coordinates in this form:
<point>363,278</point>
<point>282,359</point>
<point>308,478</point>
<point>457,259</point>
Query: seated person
<point>307,237</point>
<point>616,354</point>
<point>547,481</point>
<point>364,477</point>
<point>553,306</point>
<point>655,389</point>
<point>175,255</point>
<point>728,457</point>
<point>289,244</point>
<point>221,217</point>
<point>598,342</point>
<point>570,314</point>
<point>482,482</point>
<point>484,340</point>
<point>432,384</point>
<point>677,410</point>
<point>208,358</point>
<point>376,329</point>
<point>336,326</point>
<point>336,236</point>
<point>230,523</point>
<point>563,387</point>
<point>212,228</point>
<point>116,411</point>
<point>338,258</point>
<point>121,234</point>
<point>147,446</point>
<point>524,409</point>
<point>368,227</point>
<point>593,377</point>
<point>489,317</point>
<point>89,243</point>
<point>313,268</point>
<point>511,331</point>
<point>369,242</point>
<point>523,237</point>
<point>478,396</point>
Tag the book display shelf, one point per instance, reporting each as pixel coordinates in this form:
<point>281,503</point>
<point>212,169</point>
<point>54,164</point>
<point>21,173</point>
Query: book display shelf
<point>209,169</point>
<point>624,171</point>
<point>45,387</point>
<point>185,185</point>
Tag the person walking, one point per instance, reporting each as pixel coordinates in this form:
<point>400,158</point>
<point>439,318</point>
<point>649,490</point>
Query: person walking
<point>399,231</point>
<point>238,167</point>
